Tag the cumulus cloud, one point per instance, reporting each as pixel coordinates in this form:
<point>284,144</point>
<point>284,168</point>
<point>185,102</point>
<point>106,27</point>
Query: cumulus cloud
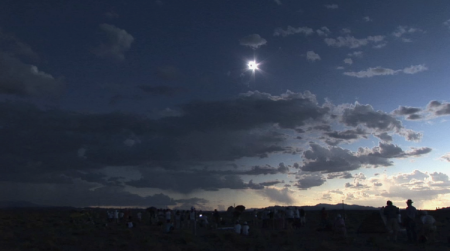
<point>437,108</point>
<point>21,79</point>
<point>331,6</point>
<point>447,23</point>
<point>422,187</point>
<point>339,175</point>
<point>253,41</point>
<point>14,47</point>
<point>292,30</point>
<point>413,69</point>
<point>324,31</point>
<point>352,42</point>
<point>336,159</point>
<point>402,31</point>
<point>355,54</point>
<point>312,56</point>
<point>367,19</point>
<point>348,61</point>
<point>380,71</point>
<point>115,43</point>
<point>195,149</point>
<point>307,180</point>
<point>346,31</point>
<point>446,157</point>
<point>283,196</point>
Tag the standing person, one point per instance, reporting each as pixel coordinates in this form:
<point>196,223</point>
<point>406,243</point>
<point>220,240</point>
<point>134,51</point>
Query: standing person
<point>428,226</point>
<point>290,217</point>
<point>391,212</point>
<point>139,216</point>
<point>237,228</point>
<point>410,222</point>
<point>216,217</point>
<point>192,219</point>
<point>324,218</point>
<point>339,226</point>
<point>177,220</point>
<point>168,215</point>
<point>302,217</point>
<point>116,216</point>
<point>245,228</point>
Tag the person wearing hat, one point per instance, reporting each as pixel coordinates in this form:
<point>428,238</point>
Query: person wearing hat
<point>410,223</point>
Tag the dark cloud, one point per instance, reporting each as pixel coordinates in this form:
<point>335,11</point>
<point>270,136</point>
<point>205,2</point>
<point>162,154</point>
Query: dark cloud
<point>404,110</point>
<point>271,183</point>
<point>115,42</point>
<point>171,151</point>
<point>336,159</point>
<point>79,194</point>
<point>308,180</point>
<point>339,175</point>
<point>13,46</point>
<point>332,159</point>
<point>21,79</point>
<point>437,108</point>
<point>257,170</point>
<point>384,137</point>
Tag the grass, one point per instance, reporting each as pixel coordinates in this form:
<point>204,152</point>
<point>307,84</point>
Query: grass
<point>52,230</point>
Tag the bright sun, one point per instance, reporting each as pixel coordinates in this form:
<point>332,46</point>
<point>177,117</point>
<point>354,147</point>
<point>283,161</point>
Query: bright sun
<point>252,65</point>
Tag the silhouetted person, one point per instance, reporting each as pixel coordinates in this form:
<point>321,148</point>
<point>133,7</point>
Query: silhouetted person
<point>245,228</point>
<point>391,212</point>
<point>237,228</point>
<point>428,226</point>
<point>323,218</point>
<point>339,226</point>
<point>216,217</point>
<point>410,222</point>
<point>302,217</point>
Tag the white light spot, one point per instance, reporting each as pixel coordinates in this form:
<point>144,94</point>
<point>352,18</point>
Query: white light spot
<point>252,65</point>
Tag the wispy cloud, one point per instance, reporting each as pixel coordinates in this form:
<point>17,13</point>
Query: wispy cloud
<point>292,30</point>
<point>352,42</point>
<point>381,71</point>
<point>331,6</point>
<point>312,56</point>
<point>367,19</point>
<point>253,41</point>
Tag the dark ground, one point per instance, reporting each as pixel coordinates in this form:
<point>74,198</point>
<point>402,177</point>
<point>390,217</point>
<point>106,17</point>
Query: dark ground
<point>64,229</point>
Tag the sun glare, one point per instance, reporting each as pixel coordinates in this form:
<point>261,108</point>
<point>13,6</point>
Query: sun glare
<point>252,65</point>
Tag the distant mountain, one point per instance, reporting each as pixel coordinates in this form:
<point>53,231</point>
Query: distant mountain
<point>17,204</point>
<point>339,207</point>
<point>331,207</point>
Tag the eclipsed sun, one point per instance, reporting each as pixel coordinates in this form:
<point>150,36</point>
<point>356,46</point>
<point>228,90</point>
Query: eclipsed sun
<point>252,65</point>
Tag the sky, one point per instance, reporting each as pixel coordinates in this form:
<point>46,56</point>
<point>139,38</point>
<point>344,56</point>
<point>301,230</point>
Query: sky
<point>120,103</point>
